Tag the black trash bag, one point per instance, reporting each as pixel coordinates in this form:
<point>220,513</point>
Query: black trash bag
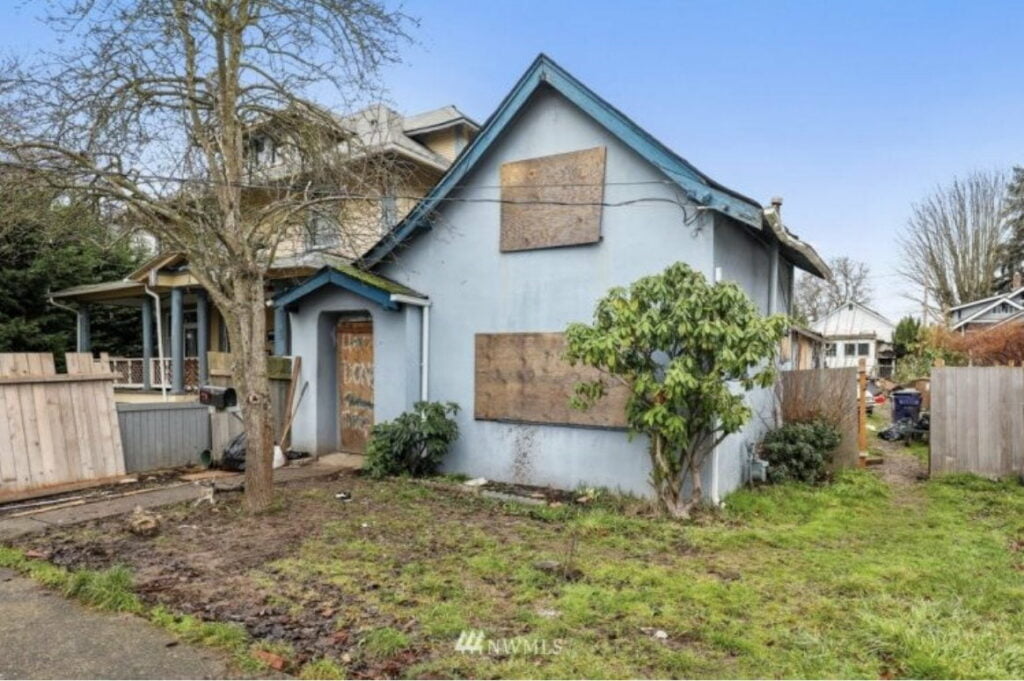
<point>897,431</point>
<point>891,434</point>
<point>234,454</point>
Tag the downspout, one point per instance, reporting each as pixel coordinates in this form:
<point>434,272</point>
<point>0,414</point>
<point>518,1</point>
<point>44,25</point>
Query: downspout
<point>424,306</point>
<point>159,344</point>
<point>715,499</point>
<point>78,318</point>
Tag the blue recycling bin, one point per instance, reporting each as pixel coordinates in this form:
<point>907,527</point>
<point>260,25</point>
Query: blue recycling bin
<point>906,404</point>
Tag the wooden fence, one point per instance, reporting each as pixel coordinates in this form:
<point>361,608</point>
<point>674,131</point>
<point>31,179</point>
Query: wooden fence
<point>977,420</point>
<point>163,434</point>
<point>56,428</point>
<point>830,394</point>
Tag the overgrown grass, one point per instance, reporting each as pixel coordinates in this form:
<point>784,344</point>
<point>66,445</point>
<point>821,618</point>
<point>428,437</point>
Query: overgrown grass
<point>109,589</point>
<point>844,580</point>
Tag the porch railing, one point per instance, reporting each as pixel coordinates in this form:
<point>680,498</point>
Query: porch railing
<point>128,372</point>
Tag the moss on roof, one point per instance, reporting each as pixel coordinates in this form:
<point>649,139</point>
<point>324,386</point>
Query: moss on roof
<point>377,281</point>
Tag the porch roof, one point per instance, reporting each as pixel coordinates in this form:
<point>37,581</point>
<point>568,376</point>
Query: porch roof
<point>373,287</point>
<point>109,292</point>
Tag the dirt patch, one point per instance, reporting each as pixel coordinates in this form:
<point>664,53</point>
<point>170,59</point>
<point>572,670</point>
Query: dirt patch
<point>202,562</point>
<point>219,564</point>
<point>899,466</point>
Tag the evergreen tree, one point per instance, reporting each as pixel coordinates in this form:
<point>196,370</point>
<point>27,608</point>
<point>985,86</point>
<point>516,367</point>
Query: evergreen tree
<point>49,242</point>
<point>906,335</point>
<point>1013,252</point>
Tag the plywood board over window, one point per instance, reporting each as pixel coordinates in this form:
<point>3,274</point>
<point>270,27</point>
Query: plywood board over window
<point>552,201</point>
<point>522,377</point>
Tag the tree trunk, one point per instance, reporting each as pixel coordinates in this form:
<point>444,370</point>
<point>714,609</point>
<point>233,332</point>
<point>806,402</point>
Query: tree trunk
<point>666,478</point>
<point>249,332</point>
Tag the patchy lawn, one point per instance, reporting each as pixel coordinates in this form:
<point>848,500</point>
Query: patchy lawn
<point>849,580</point>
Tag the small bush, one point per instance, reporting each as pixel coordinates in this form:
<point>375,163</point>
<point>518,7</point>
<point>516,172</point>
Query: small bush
<point>800,452</point>
<point>414,443</point>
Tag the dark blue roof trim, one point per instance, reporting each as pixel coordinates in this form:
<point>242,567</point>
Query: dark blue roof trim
<point>697,186</point>
<point>328,276</point>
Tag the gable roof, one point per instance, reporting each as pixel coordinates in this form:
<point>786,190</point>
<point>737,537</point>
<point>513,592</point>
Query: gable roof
<point>157,262</point>
<point>373,287</point>
<point>437,119</point>
<point>545,72</point>
<point>1011,294</point>
<point>993,302</point>
<point>820,324</point>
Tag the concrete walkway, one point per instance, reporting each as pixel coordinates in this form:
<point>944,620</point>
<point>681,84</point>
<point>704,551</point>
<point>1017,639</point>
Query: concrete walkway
<point>45,636</point>
<point>177,493</point>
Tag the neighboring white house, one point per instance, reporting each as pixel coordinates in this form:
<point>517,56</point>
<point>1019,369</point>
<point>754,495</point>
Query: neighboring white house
<point>853,331</point>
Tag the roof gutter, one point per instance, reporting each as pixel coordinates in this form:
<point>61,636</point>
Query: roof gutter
<point>78,318</point>
<point>424,306</point>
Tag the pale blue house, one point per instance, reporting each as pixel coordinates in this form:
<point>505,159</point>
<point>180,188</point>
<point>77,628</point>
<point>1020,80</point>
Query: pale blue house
<point>558,198</point>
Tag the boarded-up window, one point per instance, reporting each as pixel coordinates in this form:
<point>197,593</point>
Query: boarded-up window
<point>523,377</point>
<point>552,200</point>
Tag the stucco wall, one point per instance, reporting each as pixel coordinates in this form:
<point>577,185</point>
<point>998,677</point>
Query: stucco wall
<point>745,259</point>
<point>474,288</point>
<point>396,363</point>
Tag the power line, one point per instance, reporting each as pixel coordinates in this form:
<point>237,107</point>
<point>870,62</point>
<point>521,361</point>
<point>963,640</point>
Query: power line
<point>330,195</point>
<point>213,182</point>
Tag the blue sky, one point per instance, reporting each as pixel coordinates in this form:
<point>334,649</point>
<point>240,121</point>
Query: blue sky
<point>850,111</point>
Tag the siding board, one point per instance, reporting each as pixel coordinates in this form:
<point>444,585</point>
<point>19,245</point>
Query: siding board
<point>163,435</point>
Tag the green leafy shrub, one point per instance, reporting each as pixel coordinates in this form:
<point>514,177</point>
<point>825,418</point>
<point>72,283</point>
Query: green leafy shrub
<point>800,452</point>
<point>414,443</point>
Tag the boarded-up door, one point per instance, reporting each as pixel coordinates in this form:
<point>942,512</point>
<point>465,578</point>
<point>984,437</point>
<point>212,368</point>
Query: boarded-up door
<point>355,384</point>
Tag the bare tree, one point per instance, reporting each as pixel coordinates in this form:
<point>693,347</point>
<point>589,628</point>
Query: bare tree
<point>953,241</point>
<point>850,282</point>
<point>156,109</point>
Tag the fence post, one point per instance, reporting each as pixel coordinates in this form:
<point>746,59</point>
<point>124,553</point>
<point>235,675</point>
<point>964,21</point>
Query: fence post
<point>862,411</point>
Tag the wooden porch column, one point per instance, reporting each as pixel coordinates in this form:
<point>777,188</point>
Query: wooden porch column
<point>281,331</point>
<point>203,335</point>
<point>177,341</point>
<point>83,342</point>
<point>282,335</point>
<point>147,344</point>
